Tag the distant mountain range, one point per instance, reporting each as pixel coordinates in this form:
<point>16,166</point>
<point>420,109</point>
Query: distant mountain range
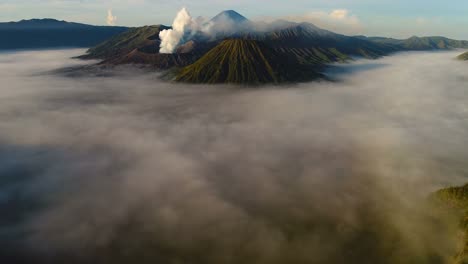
<point>278,52</point>
<point>420,43</point>
<point>51,33</point>
<point>238,51</point>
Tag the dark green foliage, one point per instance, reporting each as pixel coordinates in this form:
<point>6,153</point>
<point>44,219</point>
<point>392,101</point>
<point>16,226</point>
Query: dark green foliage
<point>158,61</point>
<point>244,62</point>
<point>463,56</point>
<point>456,198</point>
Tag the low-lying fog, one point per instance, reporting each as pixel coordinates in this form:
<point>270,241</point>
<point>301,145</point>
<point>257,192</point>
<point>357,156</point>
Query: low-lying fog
<point>130,169</point>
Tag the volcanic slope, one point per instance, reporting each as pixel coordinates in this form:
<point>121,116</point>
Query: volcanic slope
<point>120,45</point>
<point>244,61</point>
<point>456,199</point>
<point>463,56</point>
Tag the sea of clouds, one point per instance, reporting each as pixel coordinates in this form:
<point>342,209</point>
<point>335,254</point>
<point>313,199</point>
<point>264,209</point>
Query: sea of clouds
<point>125,168</point>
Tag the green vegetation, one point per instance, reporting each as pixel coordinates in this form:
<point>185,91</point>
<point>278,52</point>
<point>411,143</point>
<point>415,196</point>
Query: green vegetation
<point>124,43</point>
<point>463,56</point>
<point>244,62</point>
<point>456,200</point>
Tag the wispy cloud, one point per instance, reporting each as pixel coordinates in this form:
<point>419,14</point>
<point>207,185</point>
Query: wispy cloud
<point>339,20</point>
<point>111,19</point>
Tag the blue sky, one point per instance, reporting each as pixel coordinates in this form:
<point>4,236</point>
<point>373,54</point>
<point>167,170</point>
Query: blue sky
<point>396,18</point>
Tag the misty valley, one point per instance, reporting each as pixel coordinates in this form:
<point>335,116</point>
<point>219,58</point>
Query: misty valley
<point>123,167</point>
<point>305,132</point>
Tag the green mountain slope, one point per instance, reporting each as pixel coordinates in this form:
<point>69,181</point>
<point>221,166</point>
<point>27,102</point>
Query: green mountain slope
<point>456,198</point>
<point>159,61</point>
<point>244,62</point>
<point>120,45</point>
<point>463,56</point>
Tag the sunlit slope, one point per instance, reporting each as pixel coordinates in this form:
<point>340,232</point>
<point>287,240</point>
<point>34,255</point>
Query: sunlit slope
<point>456,198</point>
<point>244,61</point>
<point>463,56</point>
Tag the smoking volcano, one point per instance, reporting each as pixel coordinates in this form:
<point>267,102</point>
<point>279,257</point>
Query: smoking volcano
<point>303,49</point>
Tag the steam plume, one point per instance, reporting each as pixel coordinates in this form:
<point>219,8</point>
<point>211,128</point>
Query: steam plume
<point>170,38</point>
<point>184,28</point>
<point>111,19</point>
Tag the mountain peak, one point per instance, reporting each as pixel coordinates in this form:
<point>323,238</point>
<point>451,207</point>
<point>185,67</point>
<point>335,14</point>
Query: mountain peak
<point>229,15</point>
<point>40,23</point>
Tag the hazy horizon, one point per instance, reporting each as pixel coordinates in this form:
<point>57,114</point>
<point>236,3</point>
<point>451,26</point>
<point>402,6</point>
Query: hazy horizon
<point>398,19</point>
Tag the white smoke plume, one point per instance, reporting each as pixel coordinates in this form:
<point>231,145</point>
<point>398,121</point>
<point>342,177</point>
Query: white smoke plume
<point>111,19</point>
<point>170,38</point>
<point>185,27</point>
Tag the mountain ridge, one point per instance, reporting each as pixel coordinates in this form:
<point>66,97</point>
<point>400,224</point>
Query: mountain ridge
<point>43,23</point>
<point>309,46</point>
<point>463,56</point>
<point>50,33</point>
<point>244,62</point>
<point>455,201</point>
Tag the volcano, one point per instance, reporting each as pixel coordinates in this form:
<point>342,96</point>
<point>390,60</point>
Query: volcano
<point>229,16</point>
<point>245,62</point>
<point>236,50</point>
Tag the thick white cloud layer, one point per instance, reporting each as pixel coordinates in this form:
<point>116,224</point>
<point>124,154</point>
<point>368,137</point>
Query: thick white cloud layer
<point>123,167</point>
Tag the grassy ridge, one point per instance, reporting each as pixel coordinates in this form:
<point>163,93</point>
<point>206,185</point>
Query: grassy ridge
<point>233,61</point>
<point>463,56</point>
<point>456,199</point>
<point>126,42</point>
<point>244,62</point>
